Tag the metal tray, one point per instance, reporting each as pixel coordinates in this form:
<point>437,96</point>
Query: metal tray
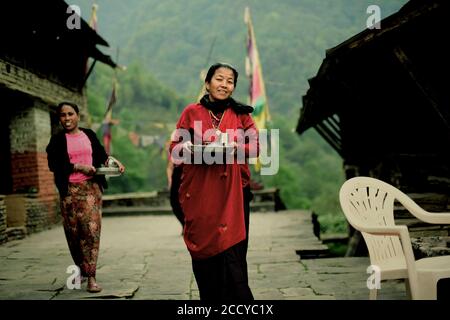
<point>212,148</point>
<point>108,171</point>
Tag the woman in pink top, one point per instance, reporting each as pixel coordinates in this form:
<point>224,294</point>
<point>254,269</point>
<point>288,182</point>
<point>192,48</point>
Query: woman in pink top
<point>73,155</point>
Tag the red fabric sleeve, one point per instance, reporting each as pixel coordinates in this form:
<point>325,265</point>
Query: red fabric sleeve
<point>251,146</point>
<point>175,138</point>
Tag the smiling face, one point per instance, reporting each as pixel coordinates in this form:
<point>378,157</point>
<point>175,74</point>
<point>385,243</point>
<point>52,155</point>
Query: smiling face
<point>69,119</point>
<point>221,85</point>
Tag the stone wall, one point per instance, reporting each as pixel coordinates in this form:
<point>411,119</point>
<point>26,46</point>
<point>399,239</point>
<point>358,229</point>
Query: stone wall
<point>3,237</point>
<point>19,79</point>
<point>28,213</point>
<point>41,212</point>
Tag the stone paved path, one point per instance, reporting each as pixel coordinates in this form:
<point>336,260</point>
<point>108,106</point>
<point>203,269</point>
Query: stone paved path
<point>144,258</point>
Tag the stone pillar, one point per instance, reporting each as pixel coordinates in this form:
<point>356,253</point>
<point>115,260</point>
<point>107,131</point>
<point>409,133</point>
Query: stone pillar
<point>30,130</point>
<point>29,133</point>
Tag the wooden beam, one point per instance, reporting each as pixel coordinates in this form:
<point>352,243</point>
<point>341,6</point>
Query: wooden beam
<point>333,123</point>
<point>16,78</point>
<point>329,137</point>
<point>89,73</point>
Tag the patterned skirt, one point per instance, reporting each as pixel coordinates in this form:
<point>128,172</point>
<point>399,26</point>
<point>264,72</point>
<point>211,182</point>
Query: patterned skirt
<point>81,212</point>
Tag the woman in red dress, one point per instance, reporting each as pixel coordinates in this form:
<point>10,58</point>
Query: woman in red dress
<point>214,196</point>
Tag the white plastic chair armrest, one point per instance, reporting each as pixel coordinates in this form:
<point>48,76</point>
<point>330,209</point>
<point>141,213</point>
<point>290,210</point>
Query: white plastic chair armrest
<point>386,231</point>
<point>421,214</point>
<point>434,217</point>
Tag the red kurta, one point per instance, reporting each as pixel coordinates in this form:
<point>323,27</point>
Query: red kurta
<point>211,195</point>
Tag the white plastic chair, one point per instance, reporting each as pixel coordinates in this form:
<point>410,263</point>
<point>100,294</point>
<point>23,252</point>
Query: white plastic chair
<point>368,205</point>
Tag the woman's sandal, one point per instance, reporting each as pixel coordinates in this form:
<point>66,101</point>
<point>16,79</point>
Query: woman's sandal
<point>94,288</point>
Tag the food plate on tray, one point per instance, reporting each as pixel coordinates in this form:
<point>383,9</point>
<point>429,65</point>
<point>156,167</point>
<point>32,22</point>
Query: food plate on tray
<point>108,171</point>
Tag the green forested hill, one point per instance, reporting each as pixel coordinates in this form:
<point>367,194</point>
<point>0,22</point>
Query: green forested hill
<point>172,38</point>
<point>165,44</point>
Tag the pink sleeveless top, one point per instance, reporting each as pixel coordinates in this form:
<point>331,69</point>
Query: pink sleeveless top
<point>80,151</point>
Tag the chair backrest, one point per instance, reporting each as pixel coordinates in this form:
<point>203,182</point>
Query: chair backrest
<point>368,202</point>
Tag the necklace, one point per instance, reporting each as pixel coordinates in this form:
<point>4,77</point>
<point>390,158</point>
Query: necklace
<point>217,119</point>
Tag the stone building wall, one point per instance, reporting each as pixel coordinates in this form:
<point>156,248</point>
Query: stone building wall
<point>3,236</point>
<point>32,202</point>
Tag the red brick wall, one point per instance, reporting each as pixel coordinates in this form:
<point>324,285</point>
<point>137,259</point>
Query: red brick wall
<point>31,174</point>
<point>48,194</point>
<point>46,180</point>
<point>24,172</point>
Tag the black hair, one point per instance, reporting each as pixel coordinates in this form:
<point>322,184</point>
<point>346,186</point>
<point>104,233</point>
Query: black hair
<point>67,103</point>
<point>218,65</point>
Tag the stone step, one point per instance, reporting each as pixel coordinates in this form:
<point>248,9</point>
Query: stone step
<point>16,233</point>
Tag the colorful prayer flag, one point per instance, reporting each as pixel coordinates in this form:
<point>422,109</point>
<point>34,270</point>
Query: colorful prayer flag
<point>108,121</point>
<point>134,138</point>
<point>93,20</point>
<point>257,91</point>
<point>93,25</point>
